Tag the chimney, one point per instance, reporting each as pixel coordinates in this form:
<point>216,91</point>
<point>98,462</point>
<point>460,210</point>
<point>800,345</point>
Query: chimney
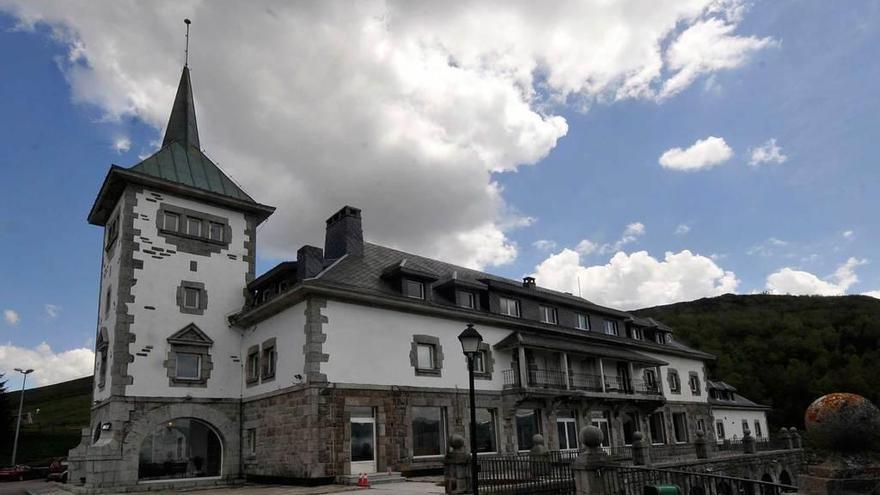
<point>529,282</point>
<point>309,262</point>
<point>344,234</point>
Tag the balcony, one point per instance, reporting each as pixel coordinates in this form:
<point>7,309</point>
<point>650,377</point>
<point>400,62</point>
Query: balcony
<point>556,380</point>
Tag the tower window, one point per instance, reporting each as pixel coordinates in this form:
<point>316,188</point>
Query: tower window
<point>188,366</point>
<point>172,222</point>
<point>191,297</point>
<point>216,232</point>
<point>194,226</point>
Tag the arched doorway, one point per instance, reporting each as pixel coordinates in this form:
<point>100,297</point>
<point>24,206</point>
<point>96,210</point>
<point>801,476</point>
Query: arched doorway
<point>723,488</point>
<point>785,478</point>
<point>764,488</point>
<point>179,449</point>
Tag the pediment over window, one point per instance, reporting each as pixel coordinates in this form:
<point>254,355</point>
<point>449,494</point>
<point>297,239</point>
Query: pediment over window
<point>191,335</point>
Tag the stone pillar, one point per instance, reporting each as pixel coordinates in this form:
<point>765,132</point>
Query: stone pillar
<point>457,467</point>
<point>539,454</point>
<point>795,438</point>
<point>593,466</point>
<point>700,446</point>
<point>640,451</point>
<point>749,446</point>
<point>784,438</point>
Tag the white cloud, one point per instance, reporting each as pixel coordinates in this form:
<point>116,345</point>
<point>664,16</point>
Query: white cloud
<point>49,367</point>
<point>767,248</point>
<point>403,109</point>
<point>52,310</point>
<point>586,246</point>
<point>682,229</point>
<point>872,293</point>
<point>797,282</point>
<point>11,316</point>
<point>121,144</point>
<point>704,153</point>
<point>637,280</point>
<point>848,234</point>
<point>768,152</point>
<point>544,245</point>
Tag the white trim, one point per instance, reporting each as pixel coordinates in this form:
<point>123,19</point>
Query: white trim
<point>178,480</point>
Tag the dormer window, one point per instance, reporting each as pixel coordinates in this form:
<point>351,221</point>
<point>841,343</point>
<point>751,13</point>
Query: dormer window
<point>637,333</point>
<point>414,289</point>
<point>583,322</point>
<point>508,306</point>
<point>660,337</point>
<point>548,315</point>
<point>466,299</point>
<point>611,327</point>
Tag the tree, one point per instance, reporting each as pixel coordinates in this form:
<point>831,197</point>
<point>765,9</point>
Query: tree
<point>5,423</point>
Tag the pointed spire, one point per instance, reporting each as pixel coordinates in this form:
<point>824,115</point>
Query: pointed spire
<point>182,123</point>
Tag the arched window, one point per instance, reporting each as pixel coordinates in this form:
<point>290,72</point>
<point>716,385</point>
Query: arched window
<point>180,448</point>
<point>785,478</point>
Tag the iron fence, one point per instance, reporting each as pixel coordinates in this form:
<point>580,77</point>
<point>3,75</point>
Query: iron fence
<point>522,474</point>
<point>633,480</point>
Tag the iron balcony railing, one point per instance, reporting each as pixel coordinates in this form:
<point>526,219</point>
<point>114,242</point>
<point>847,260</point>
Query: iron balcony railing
<point>556,379</point>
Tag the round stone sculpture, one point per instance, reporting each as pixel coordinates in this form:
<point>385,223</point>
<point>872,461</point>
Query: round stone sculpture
<point>591,436</point>
<point>842,421</point>
<point>456,441</point>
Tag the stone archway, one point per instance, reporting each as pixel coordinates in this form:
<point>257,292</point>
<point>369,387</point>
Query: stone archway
<point>785,478</point>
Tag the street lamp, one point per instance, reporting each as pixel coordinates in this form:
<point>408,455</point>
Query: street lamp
<point>20,406</point>
<point>470,340</point>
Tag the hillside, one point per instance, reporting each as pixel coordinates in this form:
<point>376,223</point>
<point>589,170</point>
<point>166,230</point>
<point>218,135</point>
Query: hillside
<point>784,350</point>
<point>58,412</point>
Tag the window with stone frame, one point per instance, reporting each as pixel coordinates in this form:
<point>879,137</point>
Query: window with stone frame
<point>758,432</point>
<point>269,360</point>
<point>112,233</point>
<point>674,381</point>
<point>191,231</point>
<point>694,382</point>
<point>657,428</point>
<point>171,221</point>
<point>426,355</point>
<point>719,429</point>
<point>251,443</point>
<point>428,431</point>
<point>189,363</point>
<point>102,347</point>
<point>192,297</point>
<point>252,365</point>
<point>487,436</point>
<point>679,427</point>
<point>484,362</point>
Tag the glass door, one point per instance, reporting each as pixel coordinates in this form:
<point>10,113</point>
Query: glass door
<point>363,440</point>
<point>602,423</point>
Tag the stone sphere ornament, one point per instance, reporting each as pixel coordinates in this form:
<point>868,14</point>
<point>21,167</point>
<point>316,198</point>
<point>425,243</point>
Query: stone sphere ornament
<point>456,441</point>
<point>843,421</point>
<point>591,436</point>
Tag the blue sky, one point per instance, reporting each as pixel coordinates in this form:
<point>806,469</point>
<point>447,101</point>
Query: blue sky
<point>811,86</point>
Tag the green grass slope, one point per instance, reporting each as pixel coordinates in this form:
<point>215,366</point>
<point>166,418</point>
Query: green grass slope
<point>59,413</point>
<point>784,351</point>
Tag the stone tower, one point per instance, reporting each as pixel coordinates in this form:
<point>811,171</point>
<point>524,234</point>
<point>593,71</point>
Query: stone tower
<point>178,250</point>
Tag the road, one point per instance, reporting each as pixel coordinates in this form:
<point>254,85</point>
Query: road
<point>19,487</point>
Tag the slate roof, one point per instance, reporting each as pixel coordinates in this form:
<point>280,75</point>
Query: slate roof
<point>738,402</point>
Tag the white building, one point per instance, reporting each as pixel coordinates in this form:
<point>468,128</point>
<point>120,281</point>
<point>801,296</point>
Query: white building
<point>734,414</point>
<point>345,360</point>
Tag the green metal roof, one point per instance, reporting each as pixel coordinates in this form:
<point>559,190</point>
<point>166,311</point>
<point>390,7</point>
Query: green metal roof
<point>180,160</point>
<point>187,165</point>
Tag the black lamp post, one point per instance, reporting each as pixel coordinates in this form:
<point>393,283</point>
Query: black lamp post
<point>25,373</point>
<point>470,340</point>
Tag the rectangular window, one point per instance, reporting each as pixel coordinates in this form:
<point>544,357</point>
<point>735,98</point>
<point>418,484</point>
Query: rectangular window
<point>611,327</point>
<point>701,425</point>
<point>566,428</point>
<point>252,441</point>
<point>630,426</point>
<point>658,336</point>
<point>548,315</point>
<point>188,366</point>
<point>719,430</point>
<point>171,222</point>
<point>191,297</point>
<point>637,333</point>
<point>758,432</point>
<point>679,427</point>
<point>650,381</point>
<point>694,381</point>
<point>414,289</point>
<point>509,307</point>
<point>107,300</point>
<point>487,439</point>
<point>745,426</point>
<point>269,356</point>
<point>112,232</point>
<point>194,226</point>
<point>674,382</point>
<point>253,366</point>
<point>425,357</point>
<point>526,428</point>
<point>216,231</point>
<point>583,322</point>
<point>428,431</point>
<point>480,362</point>
<point>466,299</point>
<point>657,428</point>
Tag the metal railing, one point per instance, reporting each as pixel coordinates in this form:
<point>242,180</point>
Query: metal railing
<point>632,481</point>
<point>542,378</point>
<point>522,474</point>
<point>556,379</point>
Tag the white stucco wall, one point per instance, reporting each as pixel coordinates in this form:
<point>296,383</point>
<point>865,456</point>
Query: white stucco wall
<point>733,418</point>
<point>107,316</point>
<point>156,286</point>
<point>684,366</point>
<point>372,346</point>
<point>288,329</point>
